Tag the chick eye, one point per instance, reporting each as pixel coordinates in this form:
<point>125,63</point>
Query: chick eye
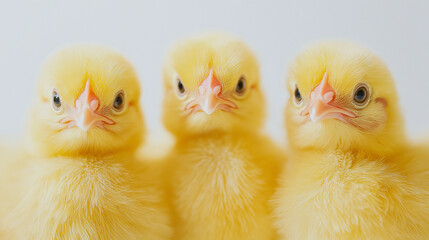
<point>56,101</point>
<point>361,95</point>
<point>297,96</point>
<point>118,103</point>
<point>180,87</point>
<point>240,89</point>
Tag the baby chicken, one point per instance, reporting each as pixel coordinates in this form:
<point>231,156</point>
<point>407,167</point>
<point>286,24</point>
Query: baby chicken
<point>222,169</point>
<point>352,173</point>
<point>82,180</point>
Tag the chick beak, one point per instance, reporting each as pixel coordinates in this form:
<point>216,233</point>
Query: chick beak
<point>210,97</point>
<point>321,104</point>
<point>85,114</point>
<point>209,91</point>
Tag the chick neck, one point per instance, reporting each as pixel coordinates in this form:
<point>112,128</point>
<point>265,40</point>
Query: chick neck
<point>39,150</point>
<point>217,133</point>
<point>384,144</point>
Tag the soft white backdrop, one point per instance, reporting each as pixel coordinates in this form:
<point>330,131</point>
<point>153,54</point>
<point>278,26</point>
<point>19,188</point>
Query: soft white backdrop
<point>397,30</point>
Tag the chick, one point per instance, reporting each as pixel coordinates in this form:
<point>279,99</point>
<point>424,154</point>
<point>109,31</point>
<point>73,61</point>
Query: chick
<point>82,180</point>
<point>222,169</point>
<point>352,173</point>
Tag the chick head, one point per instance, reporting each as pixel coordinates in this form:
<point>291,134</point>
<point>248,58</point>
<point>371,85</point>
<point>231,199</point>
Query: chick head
<point>212,84</point>
<point>87,103</point>
<point>342,97</point>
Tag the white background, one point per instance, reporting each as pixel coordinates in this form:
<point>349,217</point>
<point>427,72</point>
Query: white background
<point>398,31</point>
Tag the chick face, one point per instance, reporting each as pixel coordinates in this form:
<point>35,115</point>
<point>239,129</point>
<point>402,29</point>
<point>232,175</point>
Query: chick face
<point>88,103</point>
<point>342,97</point>
<point>212,83</point>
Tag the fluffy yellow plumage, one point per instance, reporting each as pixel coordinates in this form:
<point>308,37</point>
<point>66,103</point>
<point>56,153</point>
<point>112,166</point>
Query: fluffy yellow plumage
<point>82,179</point>
<point>222,170</point>
<point>352,173</point>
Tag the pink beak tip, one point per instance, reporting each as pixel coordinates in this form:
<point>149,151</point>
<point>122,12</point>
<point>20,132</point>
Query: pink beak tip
<point>320,105</point>
<point>210,97</point>
<point>85,114</point>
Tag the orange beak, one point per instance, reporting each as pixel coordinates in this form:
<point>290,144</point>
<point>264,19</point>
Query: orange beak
<point>85,114</point>
<point>210,97</point>
<point>321,104</point>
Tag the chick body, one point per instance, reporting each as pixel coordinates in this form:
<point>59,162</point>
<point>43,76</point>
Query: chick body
<point>349,178</point>
<point>89,198</point>
<point>342,195</point>
<point>84,184</point>
<point>221,184</point>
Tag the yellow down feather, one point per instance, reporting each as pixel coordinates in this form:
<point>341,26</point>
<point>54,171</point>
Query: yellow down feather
<point>357,180</point>
<point>222,169</point>
<point>83,185</point>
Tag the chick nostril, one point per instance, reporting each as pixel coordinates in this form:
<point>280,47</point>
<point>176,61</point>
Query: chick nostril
<point>328,97</point>
<point>93,105</point>
<point>216,90</point>
<point>78,104</point>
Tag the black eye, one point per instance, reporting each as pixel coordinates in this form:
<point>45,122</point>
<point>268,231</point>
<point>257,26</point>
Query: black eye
<point>361,94</point>
<point>56,101</point>
<point>118,103</point>
<point>297,95</point>
<point>180,87</point>
<point>240,89</point>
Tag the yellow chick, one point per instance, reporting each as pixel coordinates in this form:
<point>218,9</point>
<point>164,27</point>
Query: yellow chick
<point>352,173</point>
<point>82,180</point>
<point>222,169</point>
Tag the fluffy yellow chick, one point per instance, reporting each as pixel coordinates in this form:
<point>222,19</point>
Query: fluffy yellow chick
<point>352,173</point>
<point>222,170</point>
<point>82,180</point>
